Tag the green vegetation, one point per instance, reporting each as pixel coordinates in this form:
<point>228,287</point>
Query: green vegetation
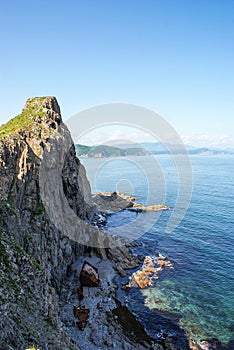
<point>40,209</point>
<point>107,151</point>
<point>22,120</point>
<point>4,257</point>
<point>82,149</point>
<point>21,251</point>
<point>14,124</point>
<point>8,206</point>
<point>35,263</point>
<point>5,261</point>
<point>14,285</point>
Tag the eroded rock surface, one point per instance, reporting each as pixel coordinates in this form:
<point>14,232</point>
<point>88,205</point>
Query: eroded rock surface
<point>37,254</point>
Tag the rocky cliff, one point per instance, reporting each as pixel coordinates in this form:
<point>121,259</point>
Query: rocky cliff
<point>35,255</point>
<point>46,212</point>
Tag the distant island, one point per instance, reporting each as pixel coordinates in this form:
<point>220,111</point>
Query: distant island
<point>104,151</point>
<point>145,149</point>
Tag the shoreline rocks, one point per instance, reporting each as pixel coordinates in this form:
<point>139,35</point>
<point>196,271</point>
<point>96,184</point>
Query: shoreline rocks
<point>103,329</point>
<point>110,325</point>
<point>112,202</point>
<point>139,208</point>
<point>148,273</point>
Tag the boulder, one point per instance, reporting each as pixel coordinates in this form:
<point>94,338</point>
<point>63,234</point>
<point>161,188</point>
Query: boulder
<point>89,275</point>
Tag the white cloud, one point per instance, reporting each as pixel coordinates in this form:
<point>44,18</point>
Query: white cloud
<point>215,141</point>
<point>115,134</point>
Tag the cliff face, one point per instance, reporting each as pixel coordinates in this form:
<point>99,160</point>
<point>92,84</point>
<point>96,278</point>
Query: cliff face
<point>35,255</point>
<point>45,206</point>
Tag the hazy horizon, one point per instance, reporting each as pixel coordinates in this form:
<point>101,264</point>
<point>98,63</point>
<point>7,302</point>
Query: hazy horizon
<point>124,134</point>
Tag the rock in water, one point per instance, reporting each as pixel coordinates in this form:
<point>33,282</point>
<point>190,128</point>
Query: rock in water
<point>148,273</point>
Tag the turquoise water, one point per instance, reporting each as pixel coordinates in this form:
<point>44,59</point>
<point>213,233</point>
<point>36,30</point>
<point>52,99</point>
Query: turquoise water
<point>200,289</point>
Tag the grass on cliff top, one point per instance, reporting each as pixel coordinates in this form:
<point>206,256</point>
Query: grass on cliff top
<point>22,120</point>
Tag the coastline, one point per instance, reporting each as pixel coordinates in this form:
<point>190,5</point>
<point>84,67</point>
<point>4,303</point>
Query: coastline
<point>38,257</point>
<point>103,329</point>
<point>111,323</point>
<point>187,341</point>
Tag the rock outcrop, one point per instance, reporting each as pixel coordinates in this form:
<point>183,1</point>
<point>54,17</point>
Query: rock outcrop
<point>111,202</point>
<point>148,273</point>
<point>37,254</point>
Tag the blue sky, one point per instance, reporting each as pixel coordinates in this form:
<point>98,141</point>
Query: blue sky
<point>175,57</point>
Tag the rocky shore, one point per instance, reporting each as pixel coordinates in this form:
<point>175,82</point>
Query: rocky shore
<point>110,324</point>
<point>111,202</point>
<point>40,262</point>
<point>104,329</point>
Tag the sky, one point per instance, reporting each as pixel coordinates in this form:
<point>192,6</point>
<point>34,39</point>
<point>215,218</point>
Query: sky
<point>175,57</point>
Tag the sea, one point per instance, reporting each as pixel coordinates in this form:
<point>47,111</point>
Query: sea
<point>199,291</point>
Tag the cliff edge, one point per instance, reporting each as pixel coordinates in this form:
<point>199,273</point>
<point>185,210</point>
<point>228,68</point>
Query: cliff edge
<point>35,255</point>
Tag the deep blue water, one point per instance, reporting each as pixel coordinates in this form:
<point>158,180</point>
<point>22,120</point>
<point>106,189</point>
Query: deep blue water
<point>200,288</point>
